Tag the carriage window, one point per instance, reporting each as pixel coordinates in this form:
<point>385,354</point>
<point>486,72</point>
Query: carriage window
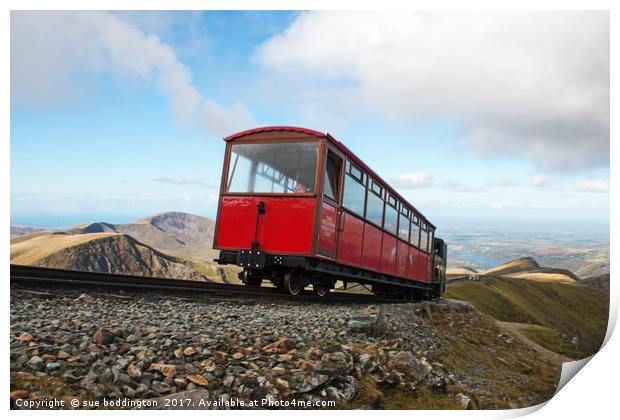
<point>431,236</point>
<point>374,208</point>
<point>273,167</point>
<point>331,177</point>
<point>415,232</point>
<point>424,240</point>
<point>356,172</point>
<point>377,188</point>
<point>354,195</point>
<point>403,225</point>
<point>391,218</point>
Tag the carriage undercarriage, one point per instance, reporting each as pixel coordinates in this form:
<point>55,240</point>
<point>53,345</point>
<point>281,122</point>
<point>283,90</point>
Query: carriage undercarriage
<point>292,274</point>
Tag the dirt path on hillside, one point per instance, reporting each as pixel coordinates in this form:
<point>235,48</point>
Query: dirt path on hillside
<point>515,329</point>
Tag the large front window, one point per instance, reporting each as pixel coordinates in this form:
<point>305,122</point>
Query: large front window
<point>278,167</point>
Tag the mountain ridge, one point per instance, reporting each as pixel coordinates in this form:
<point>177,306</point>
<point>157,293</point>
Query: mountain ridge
<point>180,234</point>
<point>105,252</point>
<point>190,238</point>
<point>528,268</point>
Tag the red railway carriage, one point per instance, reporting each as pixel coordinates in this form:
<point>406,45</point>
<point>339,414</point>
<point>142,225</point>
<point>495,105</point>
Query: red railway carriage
<point>298,208</point>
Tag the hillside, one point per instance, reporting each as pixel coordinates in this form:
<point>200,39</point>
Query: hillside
<point>527,268</point>
<point>571,318</point>
<point>27,236</point>
<point>17,230</point>
<point>514,266</point>
<point>184,236</point>
<point>180,234</point>
<point>100,252</point>
<point>459,271</point>
<point>599,282</point>
<point>585,261</point>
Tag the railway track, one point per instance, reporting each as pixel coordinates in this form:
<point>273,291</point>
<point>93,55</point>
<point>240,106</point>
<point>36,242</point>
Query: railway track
<point>28,276</point>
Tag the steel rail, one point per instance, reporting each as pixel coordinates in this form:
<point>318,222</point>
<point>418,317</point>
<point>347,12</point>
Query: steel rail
<point>43,276</point>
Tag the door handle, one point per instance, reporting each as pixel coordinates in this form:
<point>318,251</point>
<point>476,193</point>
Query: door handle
<point>341,220</point>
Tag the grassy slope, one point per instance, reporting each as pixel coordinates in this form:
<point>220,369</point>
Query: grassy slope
<point>32,248</point>
<point>459,271</point>
<point>497,370</point>
<point>488,367</point>
<point>569,310</point>
<point>551,340</point>
<point>38,247</point>
<point>555,277</point>
<point>28,236</point>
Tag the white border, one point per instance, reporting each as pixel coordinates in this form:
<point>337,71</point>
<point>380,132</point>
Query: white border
<point>592,395</point>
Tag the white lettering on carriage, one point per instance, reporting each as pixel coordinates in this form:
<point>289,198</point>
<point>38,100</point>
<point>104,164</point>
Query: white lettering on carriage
<point>328,225</point>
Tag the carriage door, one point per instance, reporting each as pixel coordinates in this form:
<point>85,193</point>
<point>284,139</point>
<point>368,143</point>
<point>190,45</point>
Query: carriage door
<point>330,204</point>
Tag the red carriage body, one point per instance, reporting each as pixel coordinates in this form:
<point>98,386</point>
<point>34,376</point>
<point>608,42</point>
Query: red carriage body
<point>296,205</point>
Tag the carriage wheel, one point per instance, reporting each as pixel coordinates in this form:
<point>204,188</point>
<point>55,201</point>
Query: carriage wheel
<point>292,283</point>
<point>320,289</point>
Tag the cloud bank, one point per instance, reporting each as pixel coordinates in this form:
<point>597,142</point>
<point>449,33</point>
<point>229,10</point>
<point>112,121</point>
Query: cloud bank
<point>59,56</point>
<point>413,180</point>
<point>541,180</point>
<point>181,180</point>
<point>594,186</point>
<point>529,84</point>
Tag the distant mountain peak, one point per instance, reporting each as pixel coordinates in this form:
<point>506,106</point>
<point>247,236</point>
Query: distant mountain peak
<point>169,215</point>
<point>95,227</point>
<point>175,233</point>
<point>23,230</point>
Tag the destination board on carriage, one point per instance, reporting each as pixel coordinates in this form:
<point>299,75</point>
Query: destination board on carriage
<point>298,209</point>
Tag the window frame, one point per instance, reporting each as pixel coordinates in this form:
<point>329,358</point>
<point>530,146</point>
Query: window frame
<point>415,221</point>
<point>380,194</point>
<point>228,160</point>
<point>405,213</point>
<point>340,195</point>
<point>344,185</point>
<point>423,230</point>
<point>393,203</point>
<point>350,170</point>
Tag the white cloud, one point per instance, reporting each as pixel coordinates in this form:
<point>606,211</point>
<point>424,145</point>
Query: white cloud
<point>533,84</point>
<point>58,56</point>
<point>185,28</point>
<point>541,180</point>
<point>181,180</point>
<point>219,120</point>
<point>503,182</point>
<point>594,186</point>
<point>413,180</point>
<point>457,186</point>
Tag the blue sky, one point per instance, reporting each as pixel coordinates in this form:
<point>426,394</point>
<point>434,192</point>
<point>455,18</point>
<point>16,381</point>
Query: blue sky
<point>118,115</point>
